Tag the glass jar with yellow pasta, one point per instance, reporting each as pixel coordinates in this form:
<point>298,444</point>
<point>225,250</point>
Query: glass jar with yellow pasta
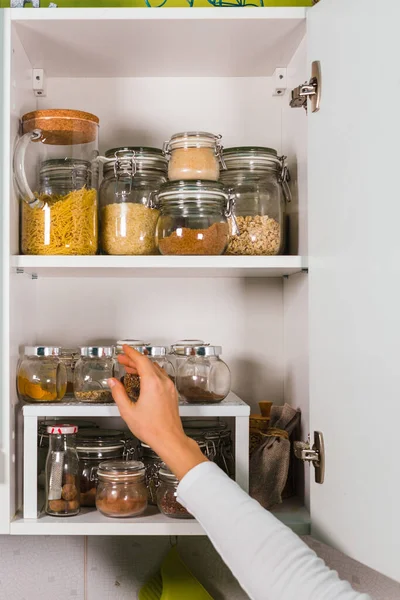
<point>41,375</point>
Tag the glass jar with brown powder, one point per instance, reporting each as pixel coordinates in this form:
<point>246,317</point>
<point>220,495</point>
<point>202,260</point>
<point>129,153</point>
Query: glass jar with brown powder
<point>203,376</point>
<point>121,489</point>
<point>193,218</point>
<point>193,155</point>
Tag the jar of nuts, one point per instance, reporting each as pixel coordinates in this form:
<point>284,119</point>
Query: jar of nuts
<point>121,490</point>
<point>258,179</point>
<point>62,472</point>
<point>193,155</point>
<point>95,366</point>
<point>166,495</point>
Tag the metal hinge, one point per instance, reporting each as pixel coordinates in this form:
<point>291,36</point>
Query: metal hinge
<point>311,90</point>
<point>314,455</point>
<point>39,83</point>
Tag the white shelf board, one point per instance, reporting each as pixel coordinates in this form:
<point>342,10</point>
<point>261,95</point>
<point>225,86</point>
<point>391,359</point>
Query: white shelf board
<point>159,266</point>
<point>232,406</point>
<point>178,42</point>
<point>91,522</point>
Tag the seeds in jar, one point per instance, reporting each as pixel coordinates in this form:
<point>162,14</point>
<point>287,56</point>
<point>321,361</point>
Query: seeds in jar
<point>258,235</point>
<point>131,383</point>
<point>94,396</point>
<point>170,506</point>
<point>128,229</point>
<point>193,163</point>
<point>186,241</point>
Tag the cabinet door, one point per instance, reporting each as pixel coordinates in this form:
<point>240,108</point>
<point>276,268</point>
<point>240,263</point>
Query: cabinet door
<point>354,239</point>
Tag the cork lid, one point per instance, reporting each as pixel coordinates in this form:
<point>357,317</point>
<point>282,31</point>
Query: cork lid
<point>62,127</point>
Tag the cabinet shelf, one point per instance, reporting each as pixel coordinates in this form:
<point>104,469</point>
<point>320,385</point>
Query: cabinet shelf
<point>91,522</point>
<point>159,266</point>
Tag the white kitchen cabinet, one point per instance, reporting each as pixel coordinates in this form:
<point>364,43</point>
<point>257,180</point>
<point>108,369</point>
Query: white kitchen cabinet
<point>325,342</point>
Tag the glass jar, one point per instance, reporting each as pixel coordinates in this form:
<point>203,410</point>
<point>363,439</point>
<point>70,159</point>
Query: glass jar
<point>128,213</point>
<point>166,495</point>
<point>43,444</point>
<point>177,351</point>
<point>62,472</point>
<point>93,450</point>
<point>41,375</point>
<point>193,218</point>
<point>193,155</point>
<point>130,381</point>
<point>203,376</point>
<point>217,441</point>
<point>121,490</point>
<point>95,366</point>
<point>152,463</point>
<point>57,182</point>
<point>258,179</point>
<point>69,357</point>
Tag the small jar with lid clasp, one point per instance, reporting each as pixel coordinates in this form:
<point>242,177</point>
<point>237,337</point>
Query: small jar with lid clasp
<point>121,489</point>
<point>193,155</point>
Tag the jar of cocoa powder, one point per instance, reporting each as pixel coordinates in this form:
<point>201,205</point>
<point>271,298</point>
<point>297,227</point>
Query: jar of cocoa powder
<point>203,376</point>
<point>194,155</point>
<point>194,218</point>
<point>121,489</point>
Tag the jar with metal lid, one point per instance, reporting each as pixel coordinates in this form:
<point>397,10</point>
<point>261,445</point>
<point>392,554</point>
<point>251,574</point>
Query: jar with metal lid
<point>41,375</point>
<point>203,376</point>
<point>121,489</point>
<point>193,155</point>
<point>193,218</point>
<point>62,472</point>
<point>258,179</point>
<point>128,211</point>
<point>130,381</point>
<point>95,366</point>
<point>56,175</point>
<point>93,450</point>
<point>177,351</point>
<point>166,495</point>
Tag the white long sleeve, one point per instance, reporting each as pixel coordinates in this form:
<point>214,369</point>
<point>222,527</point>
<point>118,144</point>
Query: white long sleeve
<point>267,558</point>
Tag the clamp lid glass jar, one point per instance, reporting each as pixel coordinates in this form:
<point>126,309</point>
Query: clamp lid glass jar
<point>193,218</point>
<point>95,366</point>
<point>203,376</point>
<point>41,375</point>
<point>62,472</point>
<point>193,155</point>
<point>92,451</point>
<point>121,490</point>
<point>57,182</point>
<point>258,179</point>
<point>128,215</point>
<point>166,495</point>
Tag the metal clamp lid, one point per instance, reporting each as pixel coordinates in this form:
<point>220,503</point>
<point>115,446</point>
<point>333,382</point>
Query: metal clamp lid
<point>284,178</point>
<point>96,351</point>
<point>42,350</point>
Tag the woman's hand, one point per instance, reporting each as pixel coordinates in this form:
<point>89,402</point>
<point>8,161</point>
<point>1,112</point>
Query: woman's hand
<point>154,418</point>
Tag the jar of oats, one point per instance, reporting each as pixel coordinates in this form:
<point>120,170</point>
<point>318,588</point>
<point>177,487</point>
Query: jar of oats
<point>128,212</point>
<point>258,179</point>
<point>193,155</point>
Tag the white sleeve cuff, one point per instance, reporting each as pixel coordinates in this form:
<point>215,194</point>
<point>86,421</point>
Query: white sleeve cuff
<point>201,471</point>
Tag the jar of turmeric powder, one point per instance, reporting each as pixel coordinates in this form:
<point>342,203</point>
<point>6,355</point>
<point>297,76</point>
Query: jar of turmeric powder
<point>194,155</point>
<point>41,375</point>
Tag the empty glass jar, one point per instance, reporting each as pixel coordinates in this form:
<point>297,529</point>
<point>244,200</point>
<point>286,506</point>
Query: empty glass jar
<point>95,365</point>
<point>193,218</point>
<point>166,495</point>
<point>203,376</point>
<point>62,472</point>
<point>258,179</point>
<point>128,212</point>
<point>56,175</point>
<point>121,489</point>
<point>193,155</point>
<point>41,375</point>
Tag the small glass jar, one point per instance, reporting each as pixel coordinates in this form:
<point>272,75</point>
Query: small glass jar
<point>203,376</point>
<point>193,155</point>
<point>166,495</point>
<point>177,351</point>
<point>121,490</point>
<point>96,365</point>
<point>130,381</point>
<point>93,450</point>
<point>62,472</point>
<point>258,179</point>
<point>41,375</point>
<point>128,212</point>
<point>193,218</point>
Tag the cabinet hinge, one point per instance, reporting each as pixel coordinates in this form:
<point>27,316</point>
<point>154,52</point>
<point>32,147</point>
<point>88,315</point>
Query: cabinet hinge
<point>39,82</point>
<point>314,455</point>
<point>311,90</point>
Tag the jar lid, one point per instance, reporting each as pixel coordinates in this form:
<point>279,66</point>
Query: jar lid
<point>96,351</point>
<point>166,474</point>
<point>62,429</point>
<point>202,351</point>
<point>98,447</point>
<point>152,350</point>
<point>144,159</point>
<point>252,158</point>
<point>132,343</point>
<point>62,127</point>
<point>80,423</point>
<point>96,433</point>
<point>192,139</point>
<point>122,469</point>
<point>64,165</point>
<point>180,345</point>
<point>198,191</point>
<point>42,350</point>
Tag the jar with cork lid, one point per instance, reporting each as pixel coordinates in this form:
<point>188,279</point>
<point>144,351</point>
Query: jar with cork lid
<point>194,155</point>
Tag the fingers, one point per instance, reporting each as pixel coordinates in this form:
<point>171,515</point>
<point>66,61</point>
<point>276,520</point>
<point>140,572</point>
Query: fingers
<point>135,360</point>
<point>121,398</point>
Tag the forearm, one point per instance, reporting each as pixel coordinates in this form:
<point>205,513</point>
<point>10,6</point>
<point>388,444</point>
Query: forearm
<point>268,559</point>
<point>180,453</point>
